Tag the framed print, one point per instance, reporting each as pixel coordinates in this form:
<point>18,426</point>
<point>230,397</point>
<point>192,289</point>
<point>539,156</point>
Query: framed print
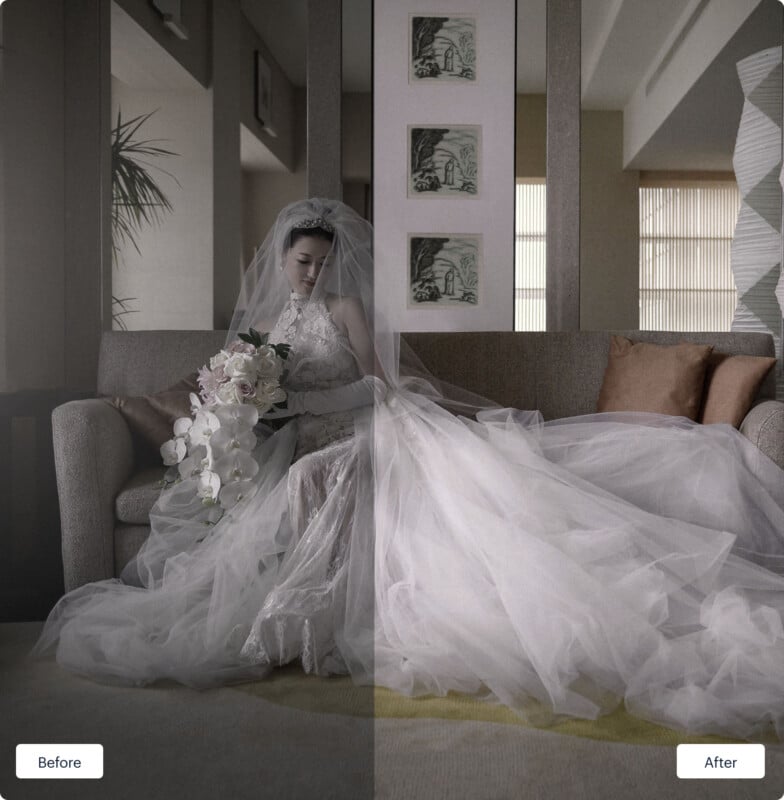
<point>443,161</point>
<point>263,104</point>
<point>442,48</point>
<point>444,269</point>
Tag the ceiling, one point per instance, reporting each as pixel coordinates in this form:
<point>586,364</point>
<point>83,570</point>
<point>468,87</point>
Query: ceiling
<point>623,44</point>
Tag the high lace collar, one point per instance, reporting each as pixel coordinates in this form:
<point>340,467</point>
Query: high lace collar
<point>300,301</point>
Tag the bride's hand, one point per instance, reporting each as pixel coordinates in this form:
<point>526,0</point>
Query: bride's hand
<point>341,398</point>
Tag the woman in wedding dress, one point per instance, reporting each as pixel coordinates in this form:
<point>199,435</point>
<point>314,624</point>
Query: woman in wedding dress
<point>560,568</point>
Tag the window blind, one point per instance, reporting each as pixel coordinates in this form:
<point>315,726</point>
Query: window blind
<point>530,255</point>
<point>686,231</point>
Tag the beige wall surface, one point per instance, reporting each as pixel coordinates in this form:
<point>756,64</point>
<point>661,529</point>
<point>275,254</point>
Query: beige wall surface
<point>171,277</point>
<point>609,211</point>
<point>609,225</point>
<point>282,144</point>
<point>531,128</point>
<point>357,148</point>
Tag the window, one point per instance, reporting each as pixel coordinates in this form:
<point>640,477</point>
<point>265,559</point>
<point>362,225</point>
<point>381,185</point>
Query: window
<point>530,251</point>
<point>686,230</point>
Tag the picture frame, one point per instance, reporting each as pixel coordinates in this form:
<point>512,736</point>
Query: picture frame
<point>263,90</point>
<point>444,160</point>
<point>442,48</point>
<point>444,270</point>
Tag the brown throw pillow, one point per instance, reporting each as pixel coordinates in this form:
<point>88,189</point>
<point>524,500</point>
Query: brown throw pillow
<point>731,384</point>
<point>151,416</point>
<point>652,377</point>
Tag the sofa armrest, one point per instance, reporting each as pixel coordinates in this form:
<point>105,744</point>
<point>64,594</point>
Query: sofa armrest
<point>93,455</point>
<point>764,425</point>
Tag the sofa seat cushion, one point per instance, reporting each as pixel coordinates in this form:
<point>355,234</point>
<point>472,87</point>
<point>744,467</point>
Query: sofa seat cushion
<point>655,378</point>
<point>138,496</point>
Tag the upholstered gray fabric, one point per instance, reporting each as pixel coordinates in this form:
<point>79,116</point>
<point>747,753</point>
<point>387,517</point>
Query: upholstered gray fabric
<point>93,455</point>
<point>142,362</point>
<point>137,496</point>
<point>106,493</point>
<point>764,425</point>
<point>559,374</point>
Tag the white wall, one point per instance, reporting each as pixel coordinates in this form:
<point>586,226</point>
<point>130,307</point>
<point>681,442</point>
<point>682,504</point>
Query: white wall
<point>489,102</point>
<point>172,279</point>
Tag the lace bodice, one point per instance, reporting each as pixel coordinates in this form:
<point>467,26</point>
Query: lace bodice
<point>320,358</point>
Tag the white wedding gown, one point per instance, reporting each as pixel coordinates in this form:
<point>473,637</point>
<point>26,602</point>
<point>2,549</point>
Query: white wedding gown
<point>569,566</point>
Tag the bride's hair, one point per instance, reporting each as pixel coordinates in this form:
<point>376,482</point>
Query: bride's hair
<point>295,234</point>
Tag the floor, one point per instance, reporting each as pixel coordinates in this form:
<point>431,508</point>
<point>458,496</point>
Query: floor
<point>169,742</point>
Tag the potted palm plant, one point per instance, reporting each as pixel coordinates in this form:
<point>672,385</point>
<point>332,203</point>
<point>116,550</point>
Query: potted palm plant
<point>137,199</point>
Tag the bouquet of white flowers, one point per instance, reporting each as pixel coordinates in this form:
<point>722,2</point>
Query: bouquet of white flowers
<point>214,445</point>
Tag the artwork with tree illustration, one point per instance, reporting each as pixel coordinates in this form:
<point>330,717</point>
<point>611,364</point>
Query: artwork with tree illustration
<point>443,161</point>
<point>442,49</point>
<point>444,269</point>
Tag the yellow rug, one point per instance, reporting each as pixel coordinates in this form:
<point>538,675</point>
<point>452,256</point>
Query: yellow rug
<point>289,686</point>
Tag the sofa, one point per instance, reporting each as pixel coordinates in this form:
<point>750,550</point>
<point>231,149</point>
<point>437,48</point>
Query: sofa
<point>107,480</point>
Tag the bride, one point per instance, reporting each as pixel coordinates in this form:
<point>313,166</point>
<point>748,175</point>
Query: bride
<point>571,566</point>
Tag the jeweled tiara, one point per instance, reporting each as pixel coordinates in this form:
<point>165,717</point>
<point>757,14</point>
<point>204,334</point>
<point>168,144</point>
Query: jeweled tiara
<point>315,222</point>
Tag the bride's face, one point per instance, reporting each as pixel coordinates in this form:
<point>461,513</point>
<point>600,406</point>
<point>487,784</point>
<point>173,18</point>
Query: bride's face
<point>304,262</point>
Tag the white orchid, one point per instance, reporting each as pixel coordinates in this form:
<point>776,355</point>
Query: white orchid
<point>208,487</point>
<point>232,437</point>
<point>232,493</point>
<point>182,425</point>
<point>214,446</point>
<point>192,466</point>
<point>236,465</point>
<point>243,417</point>
<point>173,451</point>
<point>205,423</point>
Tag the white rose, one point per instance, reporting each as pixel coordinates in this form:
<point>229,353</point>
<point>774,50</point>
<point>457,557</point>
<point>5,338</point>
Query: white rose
<point>268,365</point>
<point>271,391</point>
<point>240,365</point>
<point>229,392</point>
<point>219,359</point>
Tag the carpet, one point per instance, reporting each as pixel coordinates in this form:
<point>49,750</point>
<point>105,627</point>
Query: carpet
<point>294,737</point>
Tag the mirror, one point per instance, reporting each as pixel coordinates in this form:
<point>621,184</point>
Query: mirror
<point>661,108</point>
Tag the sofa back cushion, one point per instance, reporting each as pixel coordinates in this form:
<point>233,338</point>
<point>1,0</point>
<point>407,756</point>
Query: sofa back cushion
<point>558,373</point>
<point>132,363</point>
